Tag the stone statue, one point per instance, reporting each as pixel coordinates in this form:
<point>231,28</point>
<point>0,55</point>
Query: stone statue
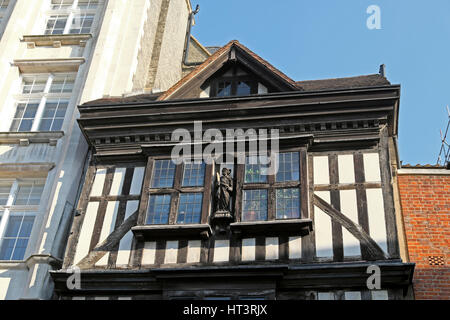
<point>224,190</point>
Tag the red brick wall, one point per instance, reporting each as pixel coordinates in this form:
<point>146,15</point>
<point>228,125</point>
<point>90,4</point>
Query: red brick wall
<point>425,203</point>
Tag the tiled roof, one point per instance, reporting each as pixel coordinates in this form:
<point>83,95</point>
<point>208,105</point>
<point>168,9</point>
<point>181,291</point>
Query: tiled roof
<point>341,83</point>
<point>140,98</point>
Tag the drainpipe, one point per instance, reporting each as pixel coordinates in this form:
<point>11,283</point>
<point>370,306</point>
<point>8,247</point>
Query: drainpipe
<point>188,38</point>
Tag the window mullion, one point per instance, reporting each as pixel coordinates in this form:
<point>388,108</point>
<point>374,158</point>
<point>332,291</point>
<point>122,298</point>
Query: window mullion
<point>75,4</point>
<point>7,212</point>
<point>176,194</point>
<point>271,199</point>
<point>40,110</point>
<point>68,23</point>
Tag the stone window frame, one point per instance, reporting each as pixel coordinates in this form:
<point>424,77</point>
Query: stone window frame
<point>70,13</point>
<point>41,98</point>
<point>10,209</point>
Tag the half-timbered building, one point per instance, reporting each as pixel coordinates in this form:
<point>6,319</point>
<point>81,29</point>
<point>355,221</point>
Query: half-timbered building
<point>317,228</point>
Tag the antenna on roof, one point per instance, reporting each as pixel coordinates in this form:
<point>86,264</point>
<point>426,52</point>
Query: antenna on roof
<point>383,70</point>
<point>444,154</point>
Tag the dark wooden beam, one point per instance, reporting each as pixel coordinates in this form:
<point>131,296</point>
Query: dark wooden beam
<point>376,253</point>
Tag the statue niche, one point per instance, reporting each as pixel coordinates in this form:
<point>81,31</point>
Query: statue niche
<point>224,192</point>
<point>222,216</point>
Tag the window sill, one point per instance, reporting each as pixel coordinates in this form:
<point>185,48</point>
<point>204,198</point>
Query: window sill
<point>25,138</point>
<point>177,232</point>
<point>49,65</point>
<point>295,227</point>
<point>56,40</point>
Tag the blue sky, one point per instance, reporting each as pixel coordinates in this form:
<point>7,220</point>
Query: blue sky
<point>318,39</point>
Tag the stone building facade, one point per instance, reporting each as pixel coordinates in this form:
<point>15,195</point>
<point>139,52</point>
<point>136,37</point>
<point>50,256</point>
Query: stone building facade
<point>55,55</point>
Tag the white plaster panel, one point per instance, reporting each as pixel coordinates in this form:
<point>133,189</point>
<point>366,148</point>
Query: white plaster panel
<point>136,184</point>
<point>372,171</point>
<point>295,248</point>
<point>325,296</point>
<point>84,240</point>
<point>349,208</point>
<point>323,229</point>
<point>117,183</point>
<point>346,168</point>
<point>321,171</point>
<point>380,295</point>
<point>149,253</point>
<point>377,221</point>
<point>109,223</point>
<point>271,248</point>
<point>248,249</point>
<point>262,89</point>
<point>171,252</point>
<point>123,255</point>
<point>353,295</point>
<point>99,181</point>
<point>221,251</point>
<point>194,251</point>
<point>205,93</point>
<point>4,286</point>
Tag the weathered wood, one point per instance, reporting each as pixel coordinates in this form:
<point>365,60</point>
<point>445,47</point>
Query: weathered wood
<point>304,189</point>
<point>260,248</point>
<point>376,253</point>
<point>160,252</point>
<point>240,174</point>
<point>283,248</point>
<point>207,193</point>
<point>143,205</point>
<point>361,199</point>
<point>338,246</point>
<point>78,220</point>
<point>309,242</point>
<point>388,195</point>
<point>102,208</point>
<point>182,251</point>
<point>108,244</point>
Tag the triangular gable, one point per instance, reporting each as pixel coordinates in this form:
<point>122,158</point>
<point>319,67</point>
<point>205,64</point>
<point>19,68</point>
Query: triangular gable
<point>233,51</point>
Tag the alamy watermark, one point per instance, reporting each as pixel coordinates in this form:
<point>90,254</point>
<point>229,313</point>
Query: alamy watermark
<point>374,20</point>
<point>213,147</point>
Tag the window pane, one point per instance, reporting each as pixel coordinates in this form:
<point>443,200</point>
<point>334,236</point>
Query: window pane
<point>29,193</point>
<point>288,203</point>
<point>87,4</point>
<point>163,174</point>
<point>190,208</point>
<point>255,171</point>
<point>288,167</point>
<point>158,209</point>
<point>254,205</point>
<point>24,116</point>
<point>33,85</point>
<point>62,84</point>
<point>243,88</point>
<point>5,189</point>
<point>82,24</point>
<point>61,4</point>
<point>194,174</point>
<point>15,240</point>
<point>53,115</point>
<point>56,24</point>
<point>224,89</point>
